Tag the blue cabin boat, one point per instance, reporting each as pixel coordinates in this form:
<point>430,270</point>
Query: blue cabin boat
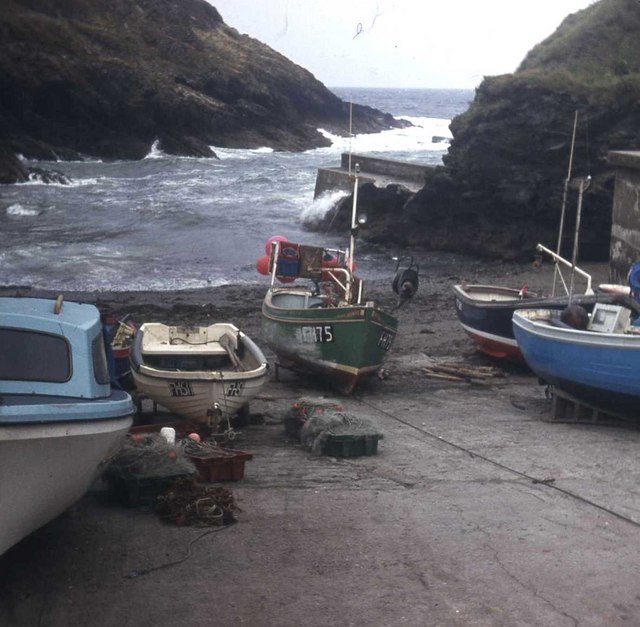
<point>599,364</point>
<point>60,419</point>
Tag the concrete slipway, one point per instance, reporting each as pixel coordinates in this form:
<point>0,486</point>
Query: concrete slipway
<point>475,511</point>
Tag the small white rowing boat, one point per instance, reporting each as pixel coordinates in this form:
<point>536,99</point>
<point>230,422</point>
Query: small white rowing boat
<point>206,373</point>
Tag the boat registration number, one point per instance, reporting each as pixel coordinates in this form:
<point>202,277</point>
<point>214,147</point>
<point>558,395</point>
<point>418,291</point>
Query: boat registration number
<point>180,388</point>
<point>235,388</point>
<point>385,340</point>
<point>321,333</point>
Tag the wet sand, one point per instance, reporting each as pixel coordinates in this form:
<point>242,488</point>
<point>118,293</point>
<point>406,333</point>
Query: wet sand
<point>427,324</point>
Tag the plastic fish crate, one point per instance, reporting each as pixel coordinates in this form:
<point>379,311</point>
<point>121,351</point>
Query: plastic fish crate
<point>225,465</point>
<point>138,491</point>
<point>351,445</point>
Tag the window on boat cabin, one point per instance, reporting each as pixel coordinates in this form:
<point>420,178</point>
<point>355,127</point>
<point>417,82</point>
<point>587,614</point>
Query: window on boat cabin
<point>100,365</point>
<point>34,356</point>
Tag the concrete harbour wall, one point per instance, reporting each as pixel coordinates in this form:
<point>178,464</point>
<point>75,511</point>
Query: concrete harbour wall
<point>382,172</point>
<point>625,227</point>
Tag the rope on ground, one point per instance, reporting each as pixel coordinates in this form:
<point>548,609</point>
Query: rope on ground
<point>145,571</point>
<point>549,483</point>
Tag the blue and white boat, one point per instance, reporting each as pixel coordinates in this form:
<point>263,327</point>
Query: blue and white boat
<point>485,311</point>
<point>60,419</point>
<point>599,365</point>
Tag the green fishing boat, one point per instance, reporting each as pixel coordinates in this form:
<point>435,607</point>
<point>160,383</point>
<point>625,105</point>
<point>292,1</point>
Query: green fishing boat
<point>346,343</point>
<point>325,326</point>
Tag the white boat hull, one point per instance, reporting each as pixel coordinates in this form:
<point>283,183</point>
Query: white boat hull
<point>205,374</point>
<point>46,468</point>
<point>200,396</point>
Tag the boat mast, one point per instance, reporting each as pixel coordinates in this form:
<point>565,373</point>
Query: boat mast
<point>350,132</point>
<point>353,231</point>
<point>584,183</point>
<point>564,203</point>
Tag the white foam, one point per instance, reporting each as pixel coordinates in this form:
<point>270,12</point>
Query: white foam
<point>36,180</point>
<point>155,152</point>
<point>318,209</point>
<point>240,153</point>
<point>418,137</point>
<point>19,210</point>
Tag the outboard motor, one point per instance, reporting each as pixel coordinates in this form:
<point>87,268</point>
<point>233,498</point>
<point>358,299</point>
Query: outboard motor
<point>406,281</point>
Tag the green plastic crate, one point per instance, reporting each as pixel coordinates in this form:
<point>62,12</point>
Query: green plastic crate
<point>138,491</point>
<point>351,445</point>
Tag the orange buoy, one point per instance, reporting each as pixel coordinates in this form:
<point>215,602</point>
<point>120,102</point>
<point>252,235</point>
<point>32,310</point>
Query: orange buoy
<point>262,265</point>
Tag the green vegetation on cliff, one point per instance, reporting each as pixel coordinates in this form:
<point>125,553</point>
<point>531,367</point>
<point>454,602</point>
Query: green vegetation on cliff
<point>596,47</point>
<point>110,77</point>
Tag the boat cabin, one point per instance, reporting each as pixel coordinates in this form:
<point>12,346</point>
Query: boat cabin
<point>52,348</point>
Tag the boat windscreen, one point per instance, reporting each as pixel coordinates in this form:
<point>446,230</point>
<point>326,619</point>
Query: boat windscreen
<point>34,356</point>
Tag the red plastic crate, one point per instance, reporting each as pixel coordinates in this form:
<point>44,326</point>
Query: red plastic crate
<point>223,465</point>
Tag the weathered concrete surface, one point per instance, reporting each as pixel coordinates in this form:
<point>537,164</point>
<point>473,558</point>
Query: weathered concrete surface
<point>475,511</point>
<point>448,524</point>
<point>625,234</point>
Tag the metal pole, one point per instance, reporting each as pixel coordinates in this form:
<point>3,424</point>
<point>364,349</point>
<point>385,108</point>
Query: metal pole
<point>352,239</point>
<point>576,235</point>
<point>564,203</point>
<point>354,223</point>
<point>350,133</point>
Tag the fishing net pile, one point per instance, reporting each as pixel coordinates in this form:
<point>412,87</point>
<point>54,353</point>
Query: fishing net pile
<point>149,470</point>
<point>322,422</point>
<point>188,503</point>
<point>149,456</point>
<point>203,449</point>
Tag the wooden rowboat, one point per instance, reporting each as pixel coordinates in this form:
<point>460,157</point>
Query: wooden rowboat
<point>205,373</point>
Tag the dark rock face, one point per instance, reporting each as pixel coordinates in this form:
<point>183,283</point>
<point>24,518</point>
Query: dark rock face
<point>107,78</point>
<point>509,159</point>
<point>501,189</point>
<point>11,170</point>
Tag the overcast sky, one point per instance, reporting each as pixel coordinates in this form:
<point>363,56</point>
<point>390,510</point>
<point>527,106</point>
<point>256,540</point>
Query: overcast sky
<point>400,43</point>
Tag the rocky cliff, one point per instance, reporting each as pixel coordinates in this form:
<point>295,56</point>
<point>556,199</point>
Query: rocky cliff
<point>501,189</point>
<point>107,78</point>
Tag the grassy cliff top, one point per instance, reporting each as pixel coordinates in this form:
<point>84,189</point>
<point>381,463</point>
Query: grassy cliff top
<point>597,46</point>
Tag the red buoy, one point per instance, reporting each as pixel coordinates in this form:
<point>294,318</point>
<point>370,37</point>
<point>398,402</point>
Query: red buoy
<point>262,265</point>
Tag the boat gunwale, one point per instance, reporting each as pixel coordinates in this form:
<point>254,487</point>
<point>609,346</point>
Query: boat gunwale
<point>316,321</point>
<point>527,302</point>
<point>335,315</point>
<point>543,328</point>
<point>204,375</point>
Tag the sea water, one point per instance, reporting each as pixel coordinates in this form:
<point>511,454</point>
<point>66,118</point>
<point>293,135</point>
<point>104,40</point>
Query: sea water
<point>169,222</point>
